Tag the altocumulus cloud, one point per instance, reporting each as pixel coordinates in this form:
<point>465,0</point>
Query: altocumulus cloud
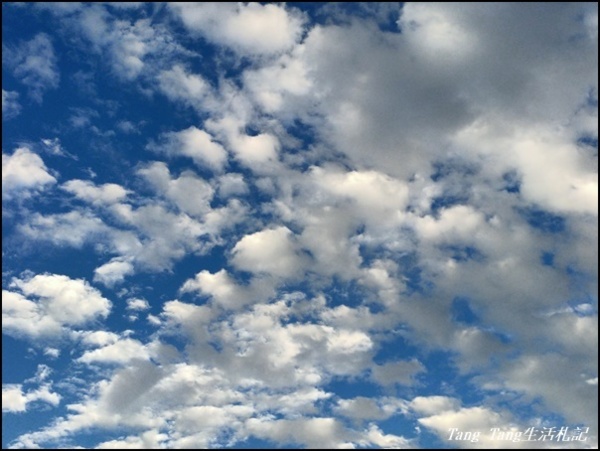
<point>291,225</point>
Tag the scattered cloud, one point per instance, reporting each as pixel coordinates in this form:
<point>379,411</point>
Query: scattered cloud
<point>10,104</point>
<point>34,64</point>
<point>24,173</point>
<point>46,304</point>
<point>336,225</point>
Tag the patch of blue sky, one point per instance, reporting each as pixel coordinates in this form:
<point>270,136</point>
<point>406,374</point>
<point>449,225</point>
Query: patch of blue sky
<point>543,220</point>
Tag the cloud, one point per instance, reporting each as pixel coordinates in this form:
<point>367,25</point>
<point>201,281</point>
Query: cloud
<point>309,432</point>
<point>191,194</point>
<point>195,144</point>
<point>221,287</point>
<point>14,400</point>
<point>59,302</point>
<point>10,104</point>
<point>54,147</point>
<point>108,193</point>
<point>402,372</point>
<point>248,29</point>
<point>34,64</point>
<point>180,86</point>
<point>113,272</point>
<point>232,184</point>
<point>362,408</point>
<point>137,304</point>
<point>122,351</point>
<point>23,173</point>
<point>74,228</point>
<point>370,225</point>
<point>270,251</point>
<point>130,48</point>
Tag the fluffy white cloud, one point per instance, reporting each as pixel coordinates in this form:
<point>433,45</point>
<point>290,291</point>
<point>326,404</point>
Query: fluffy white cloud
<point>247,28</point>
<point>179,85</point>
<point>137,304</point>
<point>74,228</point>
<point>309,432</point>
<point>14,400</point>
<point>271,251</point>
<point>113,272</point>
<point>121,351</point>
<point>190,193</point>
<point>400,205</point>
<point>221,287</point>
<point>108,193</point>
<point>23,172</point>
<point>59,302</point>
<point>232,184</point>
<point>195,144</point>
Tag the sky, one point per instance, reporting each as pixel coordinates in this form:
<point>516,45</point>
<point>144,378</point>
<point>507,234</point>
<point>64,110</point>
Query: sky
<point>312,225</point>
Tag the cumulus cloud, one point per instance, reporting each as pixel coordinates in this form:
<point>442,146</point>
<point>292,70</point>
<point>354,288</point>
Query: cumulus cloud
<point>137,304</point>
<point>271,251</point>
<point>113,272</point>
<point>190,193</point>
<point>108,193</point>
<point>369,224</point>
<point>14,400</point>
<point>197,145</point>
<point>23,173</point>
<point>248,29</point>
<point>179,85</point>
<point>45,304</point>
<point>121,351</point>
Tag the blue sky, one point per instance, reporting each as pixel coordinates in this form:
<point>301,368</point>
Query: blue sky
<point>298,225</point>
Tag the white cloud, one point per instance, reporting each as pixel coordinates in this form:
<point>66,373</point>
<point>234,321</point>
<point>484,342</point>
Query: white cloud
<point>430,405</point>
<point>309,432</point>
<point>362,408</point>
<point>220,286</point>
<point>74,228</point>
<point>108,193</point>
<point>249,29</point>
<point>274,86</point>
<point>147,440</point>
<point>35,65</point>
<point>54,147</point>
<point>22,173</point>
<point>98,338</point>
<point>271,251</point>
<point>401,165</point>
<point>195,144</point>
<point>180,86</point>
<point>378,197</point>
<point>132,48</point>
<point>137,304</point>
<point>232,184</point>
<point>14,400</point>
<point>10,104</point>
<point>59,302</point>
<point>121,351</point>
<point>376,437</point>
<point>113,272</point>
<point>190,193</point>
<point>255,151</point>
